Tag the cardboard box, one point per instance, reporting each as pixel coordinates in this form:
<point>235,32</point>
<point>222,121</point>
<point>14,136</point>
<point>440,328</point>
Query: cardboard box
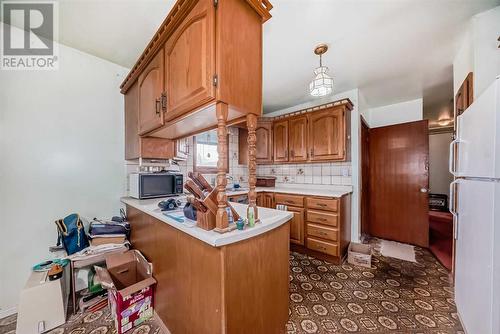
<point>359,255</point>
<point>130,285</point>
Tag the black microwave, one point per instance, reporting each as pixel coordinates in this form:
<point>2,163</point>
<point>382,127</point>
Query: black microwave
<point>153,185</point>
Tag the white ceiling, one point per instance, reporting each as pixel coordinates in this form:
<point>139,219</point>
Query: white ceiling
<point>393,50</point>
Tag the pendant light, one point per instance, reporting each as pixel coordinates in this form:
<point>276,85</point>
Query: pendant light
<point>322,84</point>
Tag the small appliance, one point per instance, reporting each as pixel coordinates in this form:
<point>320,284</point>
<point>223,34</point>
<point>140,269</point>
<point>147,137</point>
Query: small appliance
<point>153,185</point>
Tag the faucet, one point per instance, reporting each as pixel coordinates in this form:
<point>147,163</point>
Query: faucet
<point>229,177</point>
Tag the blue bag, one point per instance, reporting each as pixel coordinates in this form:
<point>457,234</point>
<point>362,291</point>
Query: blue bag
<point>72,234</point>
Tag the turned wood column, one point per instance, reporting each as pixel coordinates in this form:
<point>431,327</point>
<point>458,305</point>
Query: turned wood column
<point>221,217</point>
<point>252,163</point>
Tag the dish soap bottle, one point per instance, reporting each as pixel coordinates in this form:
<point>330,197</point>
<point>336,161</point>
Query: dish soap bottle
<point>251,216</point>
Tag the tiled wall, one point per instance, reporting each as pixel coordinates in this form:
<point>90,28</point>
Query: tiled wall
<point>335,173</point>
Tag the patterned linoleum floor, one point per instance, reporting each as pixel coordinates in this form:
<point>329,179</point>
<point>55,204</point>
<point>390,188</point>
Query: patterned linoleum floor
<point>393,296</point>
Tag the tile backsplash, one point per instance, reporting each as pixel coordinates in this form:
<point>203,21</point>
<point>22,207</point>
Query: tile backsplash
<point>334,173</point>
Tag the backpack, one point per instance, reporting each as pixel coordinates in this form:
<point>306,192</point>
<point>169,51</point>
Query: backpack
<point>72,234</point>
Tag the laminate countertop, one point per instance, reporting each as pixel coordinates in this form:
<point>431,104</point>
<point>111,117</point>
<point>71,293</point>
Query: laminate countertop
<point>269,220</point>
<point>306,190</point>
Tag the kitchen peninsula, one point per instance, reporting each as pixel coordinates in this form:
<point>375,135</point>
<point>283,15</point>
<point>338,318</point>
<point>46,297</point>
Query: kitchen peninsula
<point>236,282</point>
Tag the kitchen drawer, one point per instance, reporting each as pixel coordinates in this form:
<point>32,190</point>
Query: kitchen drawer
<point>321,231</point>
<point>328,204</point>
<point>326,247</point>
<point>293,200</point>
<point>322,217</point>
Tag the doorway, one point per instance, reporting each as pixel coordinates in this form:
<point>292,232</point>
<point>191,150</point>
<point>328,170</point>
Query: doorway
<point>365,178</point>
<point>398,182</point>
<point>440,219</point>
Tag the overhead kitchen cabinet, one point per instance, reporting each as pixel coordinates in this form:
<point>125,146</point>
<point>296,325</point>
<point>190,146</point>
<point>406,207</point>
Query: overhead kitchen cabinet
<point>207,54</point>
<point>297,134</point>
<point>142,147</point>
<point>151,100</point>
<point>264,134</point>
<point>280,140</point>
<point>329,134</point>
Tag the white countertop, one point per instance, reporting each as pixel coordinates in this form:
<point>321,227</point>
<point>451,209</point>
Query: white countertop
<point>270,219</point>
<point>306,189</point>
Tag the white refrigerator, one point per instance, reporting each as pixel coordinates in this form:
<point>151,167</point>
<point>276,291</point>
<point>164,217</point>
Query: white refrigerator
<point>475,205</point>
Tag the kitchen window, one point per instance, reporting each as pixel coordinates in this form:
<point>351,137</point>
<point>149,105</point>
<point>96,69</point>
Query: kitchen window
<point>205,155</point>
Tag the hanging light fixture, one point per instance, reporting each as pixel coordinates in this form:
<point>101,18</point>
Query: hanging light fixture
<point>322,84</point>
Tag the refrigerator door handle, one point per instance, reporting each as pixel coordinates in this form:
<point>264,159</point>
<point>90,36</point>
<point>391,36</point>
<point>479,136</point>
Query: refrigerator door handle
<point>451,161</point>
<point>452,207</point>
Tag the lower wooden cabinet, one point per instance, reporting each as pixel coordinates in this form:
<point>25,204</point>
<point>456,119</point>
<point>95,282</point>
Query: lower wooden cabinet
<point>265,200</point>
<point>297,225</point>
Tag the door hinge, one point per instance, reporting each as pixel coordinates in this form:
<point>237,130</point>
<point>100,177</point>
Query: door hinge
<point>216,3</point>
<point>215,80</point>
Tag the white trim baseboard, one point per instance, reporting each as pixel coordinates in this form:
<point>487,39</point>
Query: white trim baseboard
<point>7,312</point>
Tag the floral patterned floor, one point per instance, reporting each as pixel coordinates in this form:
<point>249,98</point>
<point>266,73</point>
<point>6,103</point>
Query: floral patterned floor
<point>393,296</point>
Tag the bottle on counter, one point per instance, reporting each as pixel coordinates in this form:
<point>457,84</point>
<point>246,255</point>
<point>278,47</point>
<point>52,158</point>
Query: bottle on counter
<point>230,218</point>
<point>251,216</point>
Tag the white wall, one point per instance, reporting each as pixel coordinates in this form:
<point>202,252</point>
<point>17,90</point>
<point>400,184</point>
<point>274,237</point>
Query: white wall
<point>403,112</point>
<point>478,52</point>
<point>61,148</point>
<point>439,151</point>
<point>353,95</point>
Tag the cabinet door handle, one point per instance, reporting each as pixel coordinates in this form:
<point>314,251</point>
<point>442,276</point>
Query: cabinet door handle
<point>157,106</point>
<point>164,101</point>
<point>312,152</point>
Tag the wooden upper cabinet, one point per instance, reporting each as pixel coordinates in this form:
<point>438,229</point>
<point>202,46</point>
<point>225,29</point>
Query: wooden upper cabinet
<point>327,135</point>
<point>264,134</point>
<point>297,134</point>
<point>190,61</point>
<point>280,141</point>
<point>150,95</point>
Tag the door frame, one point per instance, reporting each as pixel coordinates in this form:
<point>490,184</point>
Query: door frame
<point>364,191</point>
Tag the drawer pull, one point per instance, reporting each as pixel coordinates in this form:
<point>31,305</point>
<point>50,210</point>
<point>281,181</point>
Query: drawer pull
<point>321,204</point>
<point>322,219</point>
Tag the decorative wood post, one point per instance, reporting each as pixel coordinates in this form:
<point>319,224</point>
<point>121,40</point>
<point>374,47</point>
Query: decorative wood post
<point>221,218</point>
<point>252,163</point>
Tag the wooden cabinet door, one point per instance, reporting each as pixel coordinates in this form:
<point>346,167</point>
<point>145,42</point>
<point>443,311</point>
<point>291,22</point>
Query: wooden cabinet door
<point>181,148</point>
<point>264,149</point>
<point>297,225</point>
<point>297,134</point>
<point>190,61</point>
<point>150,90</point>
<point>280,141</point>
<point>327,135</point>
<point>269,200</point>
<point>260,199</point>
<point>131,122</point>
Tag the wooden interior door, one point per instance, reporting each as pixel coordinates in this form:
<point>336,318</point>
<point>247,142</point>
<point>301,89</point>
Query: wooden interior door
<point>327,135</point>
<point>264,148</point>
<point>297,225</point>
<point>280,141</point>
<point>190,61</point>
<point>297,133</point>
<point>150,90</point>
<point>399,182</point>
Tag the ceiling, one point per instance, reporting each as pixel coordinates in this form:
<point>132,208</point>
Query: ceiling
<point>391,50</point>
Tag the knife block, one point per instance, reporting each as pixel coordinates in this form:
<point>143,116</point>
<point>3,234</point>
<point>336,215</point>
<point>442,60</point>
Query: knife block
<point>205,220</point>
